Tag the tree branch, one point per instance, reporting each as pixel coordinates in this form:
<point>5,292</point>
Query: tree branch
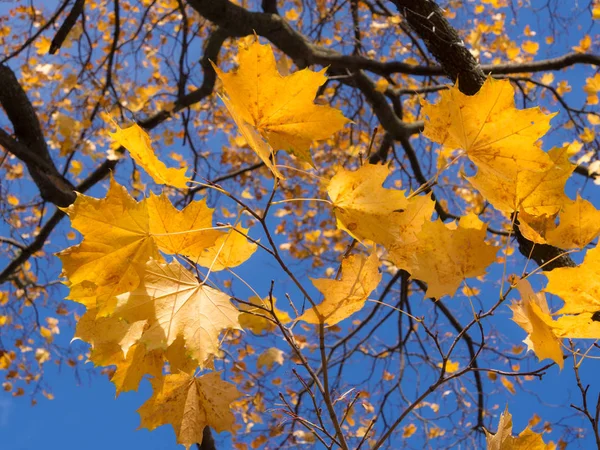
<point>66,27</point>
<point>30,145</point>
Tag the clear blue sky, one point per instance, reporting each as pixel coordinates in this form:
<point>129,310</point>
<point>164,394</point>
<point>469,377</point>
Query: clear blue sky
<point>85,414</point>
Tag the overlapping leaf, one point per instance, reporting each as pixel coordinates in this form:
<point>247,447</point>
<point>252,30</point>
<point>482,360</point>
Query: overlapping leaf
<point>189,404</point>
<point>139,145</point>
<point>175,304</point>
<point>578,287</point>
<point>121,235</point>
<point>503,439</point>
<point>536,193</point>
<point>533,315</point>
<point>344,297</point>
<point>445,257</point>
<point>494,134</point>
<point>364,208</point>
<point>279,108</point>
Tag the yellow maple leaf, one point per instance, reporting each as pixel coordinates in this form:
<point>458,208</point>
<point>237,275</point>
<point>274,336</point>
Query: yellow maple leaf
<point>579,326</point>
<point>116,244</point>
<point>363,208</point>
<point>229,250</point>
<point>120,235</point>
<point>254,319</point>
<point>188,232</point>
<point>584,44</point>
<point>280,108</point>
<point>180,360</point>
<point>99,331</point>
<point>578,287</point>
<point>592,87</point>
<point>492,132</point>
<point>503,439</point>
<point>139,145</point>
<point>405,230</point>
<point>579,225</point>
<point>451,366</point>
<point>533,315</point>
<point>409,430</point>
<point>445,257</point>
<point>344,297</point>
<point>269,357</point>
<point>176,304</point>
<point>254,139</point>
<point>536,193</point>
<point>535,228</point>
<point>190,404</point>
<point>130,369</point>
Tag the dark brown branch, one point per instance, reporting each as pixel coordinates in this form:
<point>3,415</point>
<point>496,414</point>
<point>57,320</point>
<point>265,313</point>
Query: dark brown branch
<point>30,145</point>
<point>443,42</point>
<point>208,442</point>
<point>66,27</point>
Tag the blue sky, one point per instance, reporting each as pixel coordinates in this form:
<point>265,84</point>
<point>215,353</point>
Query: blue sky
<point>85,414</point>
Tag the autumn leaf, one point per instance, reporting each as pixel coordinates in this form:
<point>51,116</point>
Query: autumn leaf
<point>139,145</point>
<point>254,139</point>
<point>494,134</point>
<point>269,357</point>
<point>175,304</point>
<point>533,315</point>
<point>189,404</point>
<point>344,297</point>
<point>116,244</point>
<point>445,257</point>
<point>280,108</point>
<point>536,193</point>
<point>579,225</point>
<point>579,326</point>
<point>578,287</point>
<point>503,439</point>
<point>188,232</point>
<point>255,319</point>
<point>130,369</point>
<point>229,250</point>
<point>120,235</point>
<point>362,207</point>
<point>405,229</point>
<point>99,331</point>
<point>450,367</point>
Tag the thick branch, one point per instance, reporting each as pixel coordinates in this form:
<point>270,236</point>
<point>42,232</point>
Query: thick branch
<point>66,26</point>
<point>30,145</point>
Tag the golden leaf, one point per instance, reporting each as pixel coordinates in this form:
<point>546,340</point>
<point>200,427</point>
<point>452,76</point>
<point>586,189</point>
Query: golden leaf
<point>280,108</point>
<point>445,257</point>
<point>578,287</point>
<point>503,439</point>
<point>493,133</point>
<point>363,208</point>
<point>532,314</point>
<point>99,331</point>
<point>229,250</point>
<point>269,357</point>
<point>344,297</point>
<point>176,304</point>
<point>189,404</point>
<point>536,193</point>
<point>579,225</point>
<point>139,145</point>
